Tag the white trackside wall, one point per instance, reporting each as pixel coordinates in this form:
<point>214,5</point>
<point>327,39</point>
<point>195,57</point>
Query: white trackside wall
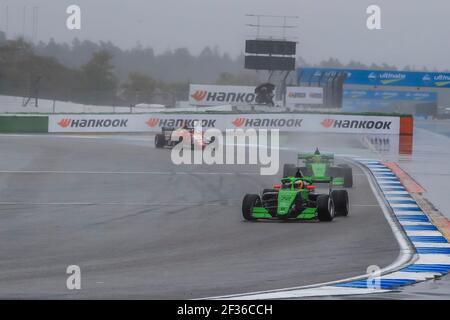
<point>285,122</point>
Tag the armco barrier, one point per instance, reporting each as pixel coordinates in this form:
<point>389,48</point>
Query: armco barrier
<point>289,122</point>
<point>23,124</point>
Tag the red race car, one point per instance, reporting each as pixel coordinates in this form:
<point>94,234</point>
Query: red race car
<point>170,137</point>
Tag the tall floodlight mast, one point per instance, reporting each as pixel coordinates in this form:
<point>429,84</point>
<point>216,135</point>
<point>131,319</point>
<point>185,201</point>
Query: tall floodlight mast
<point>272,53</point>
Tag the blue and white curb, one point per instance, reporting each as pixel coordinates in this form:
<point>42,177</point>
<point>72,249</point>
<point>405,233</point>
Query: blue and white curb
<point>425,252</point>
<point>431,247</point>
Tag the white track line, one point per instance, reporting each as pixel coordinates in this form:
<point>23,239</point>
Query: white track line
<point>153,204</point>
<point>125,172</point>
<point>108,204</point>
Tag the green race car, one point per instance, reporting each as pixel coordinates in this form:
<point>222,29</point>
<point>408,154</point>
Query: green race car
<point>320,166</point>
<point>295,198</point>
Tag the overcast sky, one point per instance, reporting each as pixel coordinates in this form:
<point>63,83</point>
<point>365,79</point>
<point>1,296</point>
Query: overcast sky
<point>415,33</point>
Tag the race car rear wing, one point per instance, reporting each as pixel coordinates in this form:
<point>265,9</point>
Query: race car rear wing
<point>331,180</point>
<point>310,155</point>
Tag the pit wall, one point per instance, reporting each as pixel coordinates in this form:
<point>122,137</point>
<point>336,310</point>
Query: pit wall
<point>129,123</point>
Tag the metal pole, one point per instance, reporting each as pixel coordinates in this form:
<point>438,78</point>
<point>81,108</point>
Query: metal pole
<point>35,22</point>
<point>24,13</point>
<point>284,88</point>
<point>7,21</point>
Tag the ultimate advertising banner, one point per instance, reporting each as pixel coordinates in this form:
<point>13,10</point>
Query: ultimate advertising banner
<point>284,122</point>
<point>378,77</point>
<point>304,95</point>
<point>415,96</point>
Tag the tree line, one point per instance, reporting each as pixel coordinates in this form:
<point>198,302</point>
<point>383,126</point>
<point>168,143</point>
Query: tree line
<point>104,74</point>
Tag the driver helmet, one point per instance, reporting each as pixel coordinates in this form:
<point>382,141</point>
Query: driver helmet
<point>299,184</point>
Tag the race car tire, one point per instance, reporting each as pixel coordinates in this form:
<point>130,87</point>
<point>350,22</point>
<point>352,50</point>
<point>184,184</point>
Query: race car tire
<point>289,170</point>
<point>250,201</point>
<point>325,208</point>
<point>340,200</point>
<point>342,171</point>
<point>348,177</point>
<point>159,141</point>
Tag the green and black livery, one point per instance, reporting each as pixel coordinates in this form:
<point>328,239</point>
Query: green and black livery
<point>320,167</point>
<point>295,199</point>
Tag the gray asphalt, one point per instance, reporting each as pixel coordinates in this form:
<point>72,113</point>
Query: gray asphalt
<point>142,228</point>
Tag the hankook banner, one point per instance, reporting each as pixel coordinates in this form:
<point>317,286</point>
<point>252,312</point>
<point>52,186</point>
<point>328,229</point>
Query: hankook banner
<point>291,122</point>
<point>211,95</point>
